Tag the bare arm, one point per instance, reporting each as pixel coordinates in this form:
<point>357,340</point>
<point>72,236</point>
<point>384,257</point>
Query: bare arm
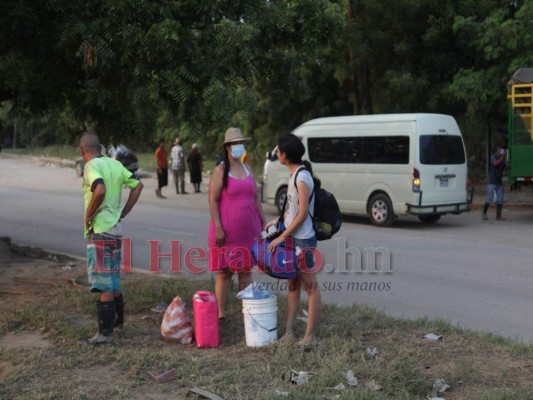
<point>157,160</point>
<point>132,199</point>
<point>215,188</point>
<point>499,160</point>
<point>94,206</point>
<point>260,209</point>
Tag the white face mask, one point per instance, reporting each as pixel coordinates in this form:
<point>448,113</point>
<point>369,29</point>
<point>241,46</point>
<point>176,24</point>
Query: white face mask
<point>237,150</point>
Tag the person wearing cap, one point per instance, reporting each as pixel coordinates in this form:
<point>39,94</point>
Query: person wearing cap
<point>194,160</point>
<point>495,182</point>
<point>236,219</point>
<point>177,155</point>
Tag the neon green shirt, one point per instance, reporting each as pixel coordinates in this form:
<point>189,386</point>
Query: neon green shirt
<point>114,176</point>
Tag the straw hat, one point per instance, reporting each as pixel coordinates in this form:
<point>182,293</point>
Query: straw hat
<point>234,135</point>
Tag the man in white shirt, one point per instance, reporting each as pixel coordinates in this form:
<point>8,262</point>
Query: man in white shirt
<point>177,155</point>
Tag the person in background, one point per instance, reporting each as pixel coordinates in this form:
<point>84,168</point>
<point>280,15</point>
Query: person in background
<point>495,182</point>
<point>194,160</point>
<point>161,156</point>
<point>236,219</point>
<point>245,159</point>
<point>103,179</point>
<point>299,227</point>
<point>177,155</point>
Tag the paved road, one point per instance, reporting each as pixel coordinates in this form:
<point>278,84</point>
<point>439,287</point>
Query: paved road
<point>476,274</point>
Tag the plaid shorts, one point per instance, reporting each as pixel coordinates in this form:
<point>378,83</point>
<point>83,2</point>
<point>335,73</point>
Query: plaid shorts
<point>104,256</point>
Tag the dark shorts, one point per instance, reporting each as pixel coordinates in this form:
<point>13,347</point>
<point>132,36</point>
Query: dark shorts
<point>308,247</point>
<point>162,177</point>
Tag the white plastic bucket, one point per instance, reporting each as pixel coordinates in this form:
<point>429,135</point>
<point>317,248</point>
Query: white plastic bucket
<point>260,321</point>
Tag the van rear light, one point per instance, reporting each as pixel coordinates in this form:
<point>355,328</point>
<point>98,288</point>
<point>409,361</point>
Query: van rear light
<point>416,180</point>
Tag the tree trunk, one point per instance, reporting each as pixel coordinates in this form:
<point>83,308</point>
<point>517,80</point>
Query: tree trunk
<point>354,83</point>
<point>367,90</point>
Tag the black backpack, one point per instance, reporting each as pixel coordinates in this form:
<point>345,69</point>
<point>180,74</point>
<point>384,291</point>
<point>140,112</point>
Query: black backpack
<point>327,217</point>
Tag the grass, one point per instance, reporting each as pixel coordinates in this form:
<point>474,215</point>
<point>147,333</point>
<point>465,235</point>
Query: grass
<point>477,366</point>
<point>56,151</point>
<point>146,160</point>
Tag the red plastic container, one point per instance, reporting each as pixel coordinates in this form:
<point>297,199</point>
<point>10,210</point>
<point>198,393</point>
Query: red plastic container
<point>205,310</point>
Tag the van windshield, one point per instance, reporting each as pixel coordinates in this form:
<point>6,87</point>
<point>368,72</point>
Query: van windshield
<point>273,155</point>
<point>441,149</point>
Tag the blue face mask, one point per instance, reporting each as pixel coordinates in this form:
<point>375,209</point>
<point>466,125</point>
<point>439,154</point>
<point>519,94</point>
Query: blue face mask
<point>237,150</point>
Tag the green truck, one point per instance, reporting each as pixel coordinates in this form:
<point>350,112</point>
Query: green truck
<point>520,99</point>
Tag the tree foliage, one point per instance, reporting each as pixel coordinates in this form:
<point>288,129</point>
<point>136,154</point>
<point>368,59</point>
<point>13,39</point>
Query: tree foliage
<point>137,69</point>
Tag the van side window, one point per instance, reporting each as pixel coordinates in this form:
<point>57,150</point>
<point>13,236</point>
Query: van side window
<point>441,149</point>
<point>360,150</point>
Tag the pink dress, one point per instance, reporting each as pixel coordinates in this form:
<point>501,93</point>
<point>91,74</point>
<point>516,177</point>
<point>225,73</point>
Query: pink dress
<point>241,223</point>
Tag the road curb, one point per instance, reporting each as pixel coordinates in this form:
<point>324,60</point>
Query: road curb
<point>479,206</point>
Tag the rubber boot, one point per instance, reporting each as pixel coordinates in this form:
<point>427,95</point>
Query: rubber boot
<point>106,320</point>
<point>499,208</point>
<point>119,308</point>
<point>485,209</point>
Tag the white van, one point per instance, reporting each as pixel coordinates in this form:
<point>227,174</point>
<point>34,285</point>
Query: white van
<point>382,166</point>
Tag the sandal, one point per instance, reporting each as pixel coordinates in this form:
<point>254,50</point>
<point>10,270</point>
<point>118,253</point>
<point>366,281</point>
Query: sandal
<point>307,344</point>
<point>285,339</point>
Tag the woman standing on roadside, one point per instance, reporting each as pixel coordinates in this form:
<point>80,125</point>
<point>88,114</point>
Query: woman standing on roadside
<point>236,219</point>
<point>194,159</point>
<point>299,226</point>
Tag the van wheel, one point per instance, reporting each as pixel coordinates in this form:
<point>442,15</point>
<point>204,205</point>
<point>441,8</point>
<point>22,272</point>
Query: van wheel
<point>280,198</point>
<point>79,169</point>
<point>380,210</point>
<point>429,219</point>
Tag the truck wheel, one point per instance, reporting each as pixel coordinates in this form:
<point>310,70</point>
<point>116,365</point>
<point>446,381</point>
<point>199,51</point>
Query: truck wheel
<point>79,169</point>
<point>380,210</point>
<point>281,195</point>
<point>429,219</point>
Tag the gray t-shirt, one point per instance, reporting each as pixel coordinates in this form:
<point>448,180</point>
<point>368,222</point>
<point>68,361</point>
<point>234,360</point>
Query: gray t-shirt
<point>177,154</point>
<point>306,230</point>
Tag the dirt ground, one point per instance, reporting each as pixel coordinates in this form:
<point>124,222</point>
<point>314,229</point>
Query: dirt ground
<point>29,275</point>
